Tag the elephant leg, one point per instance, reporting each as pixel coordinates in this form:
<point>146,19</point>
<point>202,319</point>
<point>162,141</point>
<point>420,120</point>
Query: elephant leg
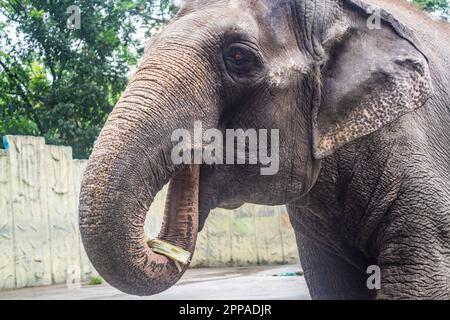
<point>330,277</point>
<point>414,267</point>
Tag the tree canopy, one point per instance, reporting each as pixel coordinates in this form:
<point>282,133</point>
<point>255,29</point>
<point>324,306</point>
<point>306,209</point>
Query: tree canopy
<point>60,81</point>
<point>433,5</point>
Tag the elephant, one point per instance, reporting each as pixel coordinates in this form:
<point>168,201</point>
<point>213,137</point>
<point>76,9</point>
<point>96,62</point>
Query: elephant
<point>359,92</point>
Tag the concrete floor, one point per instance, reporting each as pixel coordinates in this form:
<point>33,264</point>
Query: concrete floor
<point>249,283</point>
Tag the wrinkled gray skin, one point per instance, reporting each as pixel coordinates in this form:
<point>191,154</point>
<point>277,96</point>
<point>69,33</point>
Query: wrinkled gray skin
<point>364,119</point>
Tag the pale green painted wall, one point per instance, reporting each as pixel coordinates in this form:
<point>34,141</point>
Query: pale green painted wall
<point>39,236</point>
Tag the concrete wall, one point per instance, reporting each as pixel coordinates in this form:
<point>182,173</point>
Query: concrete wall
<point>39,236</point>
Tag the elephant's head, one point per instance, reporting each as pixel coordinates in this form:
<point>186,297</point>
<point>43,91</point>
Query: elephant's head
<point>312,69</point>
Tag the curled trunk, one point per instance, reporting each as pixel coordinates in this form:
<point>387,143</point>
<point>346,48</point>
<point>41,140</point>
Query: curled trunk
<point>112,226</point>
<point>131,163</point>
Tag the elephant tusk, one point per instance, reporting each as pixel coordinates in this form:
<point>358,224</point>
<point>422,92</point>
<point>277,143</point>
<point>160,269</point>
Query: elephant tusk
<point>177,254</point>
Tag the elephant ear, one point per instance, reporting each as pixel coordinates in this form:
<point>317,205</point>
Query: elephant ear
<point>370,78</point>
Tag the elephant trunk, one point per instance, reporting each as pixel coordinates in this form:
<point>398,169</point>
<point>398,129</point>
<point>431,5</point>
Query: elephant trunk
<point>131,162</point>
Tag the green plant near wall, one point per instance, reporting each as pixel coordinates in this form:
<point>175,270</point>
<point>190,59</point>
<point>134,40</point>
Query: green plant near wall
<point>95,281</point>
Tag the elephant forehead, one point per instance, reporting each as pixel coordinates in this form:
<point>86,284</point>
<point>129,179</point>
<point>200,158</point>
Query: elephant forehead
<point>266,12</point>
<point>254,4</point>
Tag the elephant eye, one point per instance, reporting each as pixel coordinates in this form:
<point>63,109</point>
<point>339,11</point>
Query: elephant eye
<point>239,59</point>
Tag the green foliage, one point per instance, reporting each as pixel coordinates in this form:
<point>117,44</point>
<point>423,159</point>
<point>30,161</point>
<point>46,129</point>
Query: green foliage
<point>62,83</point>
<point>433,5</point>
<point>95,281</point>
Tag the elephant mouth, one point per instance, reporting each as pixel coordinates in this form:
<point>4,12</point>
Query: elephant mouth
<point>208,199</point>
<point>187,206</point>
<point>178,234</point>
<point>210,195</point>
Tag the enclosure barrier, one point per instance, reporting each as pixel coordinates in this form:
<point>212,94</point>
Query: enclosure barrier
<point>40,240</point>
